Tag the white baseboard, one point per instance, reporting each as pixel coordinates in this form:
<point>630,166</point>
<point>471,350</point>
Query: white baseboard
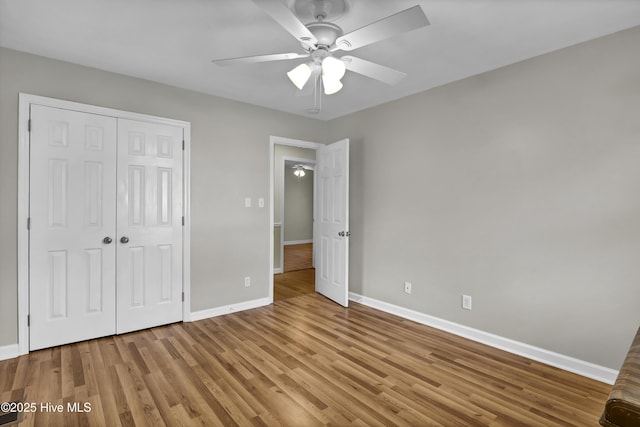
<point>567,363</point>
<point>277,270</point>
<point>9,351</point>
<point>226,309</point>
<point>297,242</point>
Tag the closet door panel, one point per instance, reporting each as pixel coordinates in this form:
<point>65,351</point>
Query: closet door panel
<point>72,210</point>
<point>149,218</point>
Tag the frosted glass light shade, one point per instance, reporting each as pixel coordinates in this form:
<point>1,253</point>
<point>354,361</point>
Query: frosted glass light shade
<point>333,68</point>
<point>331,85</point>
<point>300,75</point>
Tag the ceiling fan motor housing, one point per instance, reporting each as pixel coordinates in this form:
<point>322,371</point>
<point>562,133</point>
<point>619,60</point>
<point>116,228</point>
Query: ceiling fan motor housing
<point>325,32</point>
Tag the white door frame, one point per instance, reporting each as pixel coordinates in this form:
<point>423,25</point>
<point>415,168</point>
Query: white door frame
<point>273,141</point>
<point>25,101</point>
<point>283,168</point>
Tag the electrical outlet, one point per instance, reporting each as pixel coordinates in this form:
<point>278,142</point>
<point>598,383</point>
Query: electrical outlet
<point>466,302</point>
<point>261,202</point>
<point>407,287</point>
<point>247,202</point>
<point>247,281</point>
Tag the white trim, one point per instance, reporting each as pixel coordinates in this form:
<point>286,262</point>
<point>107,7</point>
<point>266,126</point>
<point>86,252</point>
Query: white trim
<point>277,271</point>
<point>226,309</point>
<point>25,101</point>
<point>273,140</point>
<point>9,351</point>
<point>23,214</point>
<point>567,363</point>
<point>186,231</point>
<point>297,242</point>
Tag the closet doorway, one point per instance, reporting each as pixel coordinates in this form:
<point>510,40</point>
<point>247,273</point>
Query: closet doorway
<point>104,196</point>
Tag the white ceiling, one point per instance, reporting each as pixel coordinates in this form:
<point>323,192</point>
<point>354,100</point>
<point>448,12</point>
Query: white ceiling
<point>174,41</point>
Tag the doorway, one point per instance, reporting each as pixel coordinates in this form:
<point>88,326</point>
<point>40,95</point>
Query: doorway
<point>331,216</point>
<point>296,212</point>
<point>294,186</point>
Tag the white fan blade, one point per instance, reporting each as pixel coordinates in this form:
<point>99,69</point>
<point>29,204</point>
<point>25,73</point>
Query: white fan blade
<point>283,16</point>
<point>373,70</point>
<point>401,22</point>
<point>259,58</point>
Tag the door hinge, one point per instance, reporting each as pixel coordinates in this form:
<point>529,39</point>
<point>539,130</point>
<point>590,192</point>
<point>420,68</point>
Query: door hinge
<point>29,125</point>
<point>182,221</point>
<point>183,297</point>
<point>29,223</point>
<point>183,145</point>
<point>28,320</point>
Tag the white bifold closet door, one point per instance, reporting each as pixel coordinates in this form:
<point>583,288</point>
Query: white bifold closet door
<point>105,239</point>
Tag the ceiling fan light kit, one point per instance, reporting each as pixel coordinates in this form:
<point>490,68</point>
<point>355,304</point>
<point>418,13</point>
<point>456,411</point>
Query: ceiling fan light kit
<point>300,75</point>
<point>332,71</point>
<point>320,39</point>
<point>331,85</point>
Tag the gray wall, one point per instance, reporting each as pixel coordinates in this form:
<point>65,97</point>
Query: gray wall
<point>228,241</point>
<point>298,206</point>
<point>519,187</point>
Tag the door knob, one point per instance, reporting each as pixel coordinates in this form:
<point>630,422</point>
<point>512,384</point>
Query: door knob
<point>341,234</point>
<point>107,240</point>
<point>124,239</point>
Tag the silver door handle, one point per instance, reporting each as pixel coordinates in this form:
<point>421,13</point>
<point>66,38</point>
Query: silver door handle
<point>124,239</point>
<point>107,240</point>
<point>344,233</point>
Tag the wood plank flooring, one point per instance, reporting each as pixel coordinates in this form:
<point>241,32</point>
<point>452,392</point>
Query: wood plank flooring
<point>298,257</point>
<point>303,361</point>
<point>294,284</point>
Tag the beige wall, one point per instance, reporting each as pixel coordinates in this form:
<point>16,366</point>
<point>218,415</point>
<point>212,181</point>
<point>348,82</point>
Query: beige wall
<point>519,187</point>
<point>228,241</point>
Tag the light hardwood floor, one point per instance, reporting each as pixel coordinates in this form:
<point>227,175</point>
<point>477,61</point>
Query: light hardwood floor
<point>294,284</point>
<point>303,361</point>
<point>298,257</point>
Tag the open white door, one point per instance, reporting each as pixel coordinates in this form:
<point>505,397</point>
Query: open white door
<point>332,221</point>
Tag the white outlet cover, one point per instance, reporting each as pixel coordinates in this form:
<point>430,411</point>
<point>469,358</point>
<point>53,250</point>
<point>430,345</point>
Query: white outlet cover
<point>407,287</point>
<point>466,302</point>
<point>261,202</point>
<point>247,202</point>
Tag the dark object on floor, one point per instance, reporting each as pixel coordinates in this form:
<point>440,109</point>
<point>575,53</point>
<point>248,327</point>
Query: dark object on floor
<point>623,406</point>
<point>8,418</point>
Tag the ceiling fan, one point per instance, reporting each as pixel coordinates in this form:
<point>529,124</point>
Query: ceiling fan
<point>299,170</point>
<point>321,38</point>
